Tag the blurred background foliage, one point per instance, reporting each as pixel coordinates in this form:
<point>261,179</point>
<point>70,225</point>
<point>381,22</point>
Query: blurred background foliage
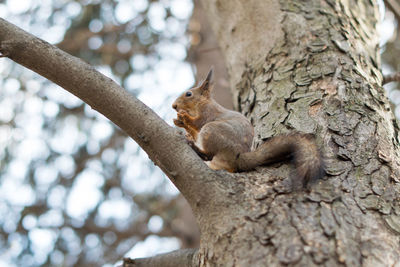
<point>74,189</point>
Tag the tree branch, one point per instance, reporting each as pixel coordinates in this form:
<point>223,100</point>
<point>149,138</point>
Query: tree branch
<point>394,77</point>
<point>165,147</point>
<point>394,6</point>
<point>182,258</point>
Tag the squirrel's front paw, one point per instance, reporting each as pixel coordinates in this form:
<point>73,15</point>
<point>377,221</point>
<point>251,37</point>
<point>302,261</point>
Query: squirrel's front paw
<point>183,115</point>
<point>179,123</point>
<point>189,138</point>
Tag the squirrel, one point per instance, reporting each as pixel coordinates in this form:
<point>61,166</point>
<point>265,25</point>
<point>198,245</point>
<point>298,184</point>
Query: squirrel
<point>224,137</point>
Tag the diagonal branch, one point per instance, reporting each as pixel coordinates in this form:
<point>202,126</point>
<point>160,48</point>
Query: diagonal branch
<point>165,147</point>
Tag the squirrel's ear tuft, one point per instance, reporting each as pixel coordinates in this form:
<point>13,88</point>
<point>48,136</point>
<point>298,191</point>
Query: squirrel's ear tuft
<point>210,75</point>
<point>206,86</point>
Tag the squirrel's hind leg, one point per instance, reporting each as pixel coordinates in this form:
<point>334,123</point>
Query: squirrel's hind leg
<point>204,156</point>
<point>214,139</point>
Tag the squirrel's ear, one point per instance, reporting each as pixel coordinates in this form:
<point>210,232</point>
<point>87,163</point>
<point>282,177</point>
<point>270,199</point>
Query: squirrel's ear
<point>206,86</point>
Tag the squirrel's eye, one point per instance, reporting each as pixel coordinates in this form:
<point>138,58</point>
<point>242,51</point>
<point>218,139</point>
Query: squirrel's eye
<point>188,94</point>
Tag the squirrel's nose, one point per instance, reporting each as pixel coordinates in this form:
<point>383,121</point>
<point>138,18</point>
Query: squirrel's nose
<point>174,106</point>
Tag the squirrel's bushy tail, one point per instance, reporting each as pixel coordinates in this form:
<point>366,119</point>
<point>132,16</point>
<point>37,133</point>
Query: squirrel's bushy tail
<point>301,148</point>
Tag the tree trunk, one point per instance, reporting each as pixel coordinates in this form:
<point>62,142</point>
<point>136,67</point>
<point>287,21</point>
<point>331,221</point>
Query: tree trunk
<point>205,52</point>
<point>308,66</point>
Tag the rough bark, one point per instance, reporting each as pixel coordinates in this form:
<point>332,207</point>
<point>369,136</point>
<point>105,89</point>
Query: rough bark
<point>310,66</point>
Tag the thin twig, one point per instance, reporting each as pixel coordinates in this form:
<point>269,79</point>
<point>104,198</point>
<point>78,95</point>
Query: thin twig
<point>395,77</point>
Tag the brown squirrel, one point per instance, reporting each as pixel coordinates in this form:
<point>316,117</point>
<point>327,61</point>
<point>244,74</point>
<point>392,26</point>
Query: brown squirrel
<point>224,137</point>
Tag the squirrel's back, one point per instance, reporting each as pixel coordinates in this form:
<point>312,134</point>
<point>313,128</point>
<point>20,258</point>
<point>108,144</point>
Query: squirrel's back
<point>226,137</point>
